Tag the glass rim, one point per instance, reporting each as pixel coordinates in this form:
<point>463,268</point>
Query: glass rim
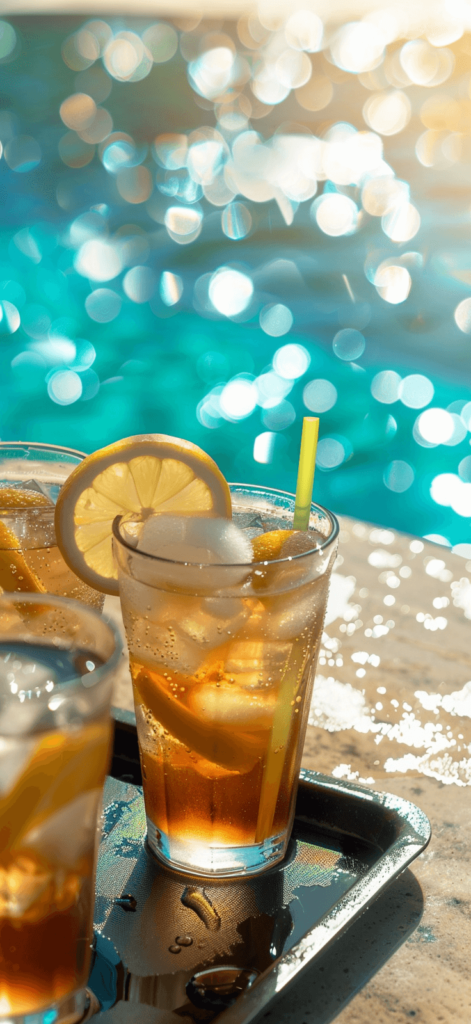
<point>319,549</point>
<point>42,446</point>
<point>35,446</point>
<point>70,603</point>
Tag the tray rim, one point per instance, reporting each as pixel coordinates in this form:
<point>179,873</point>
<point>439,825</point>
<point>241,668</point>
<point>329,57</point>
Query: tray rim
<point>413,836</point>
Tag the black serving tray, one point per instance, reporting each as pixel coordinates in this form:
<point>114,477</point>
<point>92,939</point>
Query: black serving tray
<point>174,949</point>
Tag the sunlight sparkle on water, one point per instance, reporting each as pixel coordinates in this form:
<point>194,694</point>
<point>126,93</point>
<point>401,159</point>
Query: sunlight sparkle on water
<point>393,283</point>
<point>388,112</point>
<point>358,46</point>
<point>238,399</point>
<point>335,214</point>
<point>331,452</point>
<point>385,386</point>
<point>320,395</point>
<point>435,426</point>
<point>304,31</point>
<point>415,391</point>
<point>398,476</point>
<point>64,387</point>
<point>463,316</point>
<point>349,344</point>
<point>98,260</point>
<point>170,288</point>
<point>264,446</point>
<point>291,361</point>
<point>276,319</point>
<point>230,291</point>
<point>103,305</point>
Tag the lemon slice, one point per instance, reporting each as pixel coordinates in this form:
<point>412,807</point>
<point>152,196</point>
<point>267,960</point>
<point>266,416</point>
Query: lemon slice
<point>15,573</point>
<point>144,474</point>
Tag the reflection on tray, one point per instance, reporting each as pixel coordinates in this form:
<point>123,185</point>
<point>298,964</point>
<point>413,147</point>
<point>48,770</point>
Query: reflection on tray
<point>156,930</point>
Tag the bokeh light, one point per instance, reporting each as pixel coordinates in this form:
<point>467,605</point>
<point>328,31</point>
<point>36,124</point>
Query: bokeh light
<point>416,391</point>
<point>335,214</point>
<point>276,319</point>
<point>388,112</point>
<point>435,426</point>
<point>320,395</point>
<point>462,316</point>
<point>22,154</point>
<point>103,305</point>
<point>304,31</point>
<point>9,317</point>
<point>398,476</point>
<point>230,291</point>
<point>385,386</point>
<point>349,344</point>
<point>315,170</point>
<point>236,221</point>
<point>64,387</point>
<point>170,288</point>
<point>98,260</point>
<point>238,399</point>
<point>358,47</point>
<point>331,452</point>
<point>393,283</point>
<point>291,361</point>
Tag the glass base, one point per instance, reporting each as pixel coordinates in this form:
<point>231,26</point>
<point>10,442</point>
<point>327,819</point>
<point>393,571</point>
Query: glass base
<point>74,1009</point>
<point>215,861</point>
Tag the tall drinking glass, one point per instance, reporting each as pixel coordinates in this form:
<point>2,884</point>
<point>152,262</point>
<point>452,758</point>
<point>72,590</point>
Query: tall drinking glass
<point>223,660</point>
<point>29,557</point>
<point>56,674</point>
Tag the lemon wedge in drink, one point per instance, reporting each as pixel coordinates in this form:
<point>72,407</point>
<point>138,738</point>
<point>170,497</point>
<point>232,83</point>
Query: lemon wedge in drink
<point>15,573</point>
<point>144,474</point>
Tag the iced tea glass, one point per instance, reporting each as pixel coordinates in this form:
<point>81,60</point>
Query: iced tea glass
<point>223,660</point>
<point>56,675</point>
<point>29,557</point>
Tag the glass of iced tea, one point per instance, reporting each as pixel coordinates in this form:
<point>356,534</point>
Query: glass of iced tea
<point>31,476</point>
<point>223,658</point>
<point>56,674</point>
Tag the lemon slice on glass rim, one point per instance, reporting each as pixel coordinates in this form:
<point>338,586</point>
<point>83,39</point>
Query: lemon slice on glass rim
<point>143,474</point>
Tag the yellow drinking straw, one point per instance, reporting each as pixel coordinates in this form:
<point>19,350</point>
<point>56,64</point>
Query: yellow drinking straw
<point>306,467</point>
<point>293,673</point>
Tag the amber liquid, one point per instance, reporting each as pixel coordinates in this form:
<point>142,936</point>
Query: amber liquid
<point>57,578</point>
<point>47,565</point>
<point>221,745</point>
<point>48,817</point>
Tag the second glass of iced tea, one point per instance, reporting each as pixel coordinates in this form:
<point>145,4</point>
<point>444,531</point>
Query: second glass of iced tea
<point>57,661</point>
<point>31,476</point>
<point>223,659</point>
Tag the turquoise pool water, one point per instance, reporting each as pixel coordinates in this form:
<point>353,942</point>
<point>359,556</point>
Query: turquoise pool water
<point>204,237</point>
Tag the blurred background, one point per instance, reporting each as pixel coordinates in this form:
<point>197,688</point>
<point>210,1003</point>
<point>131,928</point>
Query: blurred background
<point>213,224</point>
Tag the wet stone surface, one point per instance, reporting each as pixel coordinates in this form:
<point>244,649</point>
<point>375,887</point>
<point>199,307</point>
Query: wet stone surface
<point>392,710</point>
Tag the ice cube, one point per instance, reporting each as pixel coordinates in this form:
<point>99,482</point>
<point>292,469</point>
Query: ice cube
<point>15,755</point>
<point>294,572</point>
<point>165,647</point>
<point>288,615</point>
<point>198,540</point>
<point>256,664</point>
<point>69,834</point>
<point>33,485</point>
<point>23,883</point>
<point>233,707</point>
